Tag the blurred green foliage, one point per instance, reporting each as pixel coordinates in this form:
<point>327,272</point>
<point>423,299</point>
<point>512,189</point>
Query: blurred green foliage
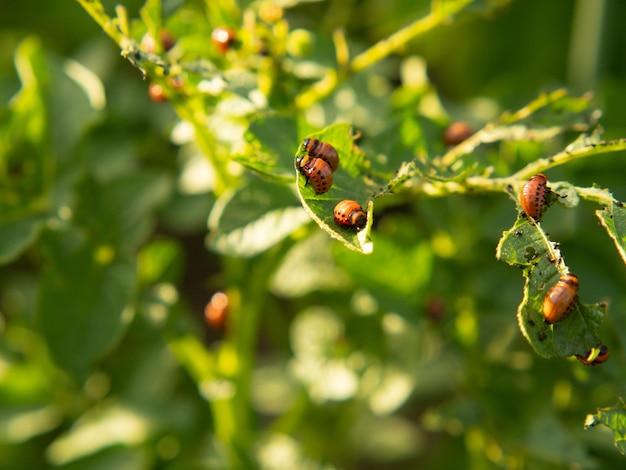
<point>120,217</point>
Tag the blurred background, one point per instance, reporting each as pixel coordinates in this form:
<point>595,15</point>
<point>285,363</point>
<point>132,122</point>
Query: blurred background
<point>115,350</point>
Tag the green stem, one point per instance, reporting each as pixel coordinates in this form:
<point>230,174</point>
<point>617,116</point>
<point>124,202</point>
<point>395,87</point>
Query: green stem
<point>602,196</point>
<point>206,142</point>
<point>537,104</point>
<point>509,127</point>
<point>252,278</point>
<point>95,9</point>
<point>389,45</point>
<point>478,184</point>
<point>567,155</point>
<point>203,366</point>
<point>225,376</point>
<point>494,133</point>
<point>318,90</point>
<point>382,49</point>
<point>473,184</point>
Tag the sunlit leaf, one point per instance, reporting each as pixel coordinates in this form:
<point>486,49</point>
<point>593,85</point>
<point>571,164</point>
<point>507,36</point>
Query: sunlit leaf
<point>100,428</point>
<point>308,267</point>
<point>318,363</point>
<point>526,246</point>
<point>41,419</point>
<point>248,221</point>
<point>614,418</point>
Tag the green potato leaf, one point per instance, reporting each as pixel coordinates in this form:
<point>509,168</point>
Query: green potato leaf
<point>270,147</point>
<point>83,294</point>
<point>17,236</point>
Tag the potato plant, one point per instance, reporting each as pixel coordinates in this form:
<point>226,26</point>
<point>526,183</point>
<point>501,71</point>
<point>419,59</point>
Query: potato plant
<point>181,290</point>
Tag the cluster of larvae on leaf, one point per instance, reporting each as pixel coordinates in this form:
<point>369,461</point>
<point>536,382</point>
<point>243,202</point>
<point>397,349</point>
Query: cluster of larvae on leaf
<point>317,165</point>
<point>562,296</point>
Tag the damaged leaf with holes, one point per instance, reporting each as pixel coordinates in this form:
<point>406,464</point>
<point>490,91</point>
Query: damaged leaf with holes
<point>564,194</point>
<point>614,418</point>
<point>526,246</point>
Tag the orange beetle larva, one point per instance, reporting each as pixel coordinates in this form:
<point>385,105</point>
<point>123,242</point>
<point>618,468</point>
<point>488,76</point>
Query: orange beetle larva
<point>533,196</point>
<point>602,356</point>
<point>223,38</point>
<point>156,93</point>
<point>216,310</point>
<point>350,213</point>
<point>456,133</point>
<point>318,149</point>
<point>317,171</point>
<point>560,299</point>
